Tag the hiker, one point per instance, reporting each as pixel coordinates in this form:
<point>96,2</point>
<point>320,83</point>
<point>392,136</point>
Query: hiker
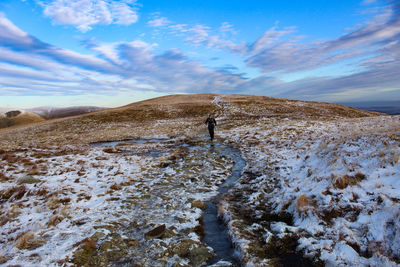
<point>211,125</point>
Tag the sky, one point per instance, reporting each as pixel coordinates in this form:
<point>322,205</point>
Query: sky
<point>114,52</point>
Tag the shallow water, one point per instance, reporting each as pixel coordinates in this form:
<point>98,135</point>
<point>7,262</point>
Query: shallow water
<point>129,141</point>
<point>215,231</point>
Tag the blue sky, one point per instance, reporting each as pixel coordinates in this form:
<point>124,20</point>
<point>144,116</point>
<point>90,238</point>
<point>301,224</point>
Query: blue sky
<point>111,53</point>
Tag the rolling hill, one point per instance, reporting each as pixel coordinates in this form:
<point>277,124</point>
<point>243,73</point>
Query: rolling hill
<point>176,115</point>
<point>17,117</point>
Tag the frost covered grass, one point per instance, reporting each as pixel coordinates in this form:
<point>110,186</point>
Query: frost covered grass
<point>338,181</point>
<point>100,208</point>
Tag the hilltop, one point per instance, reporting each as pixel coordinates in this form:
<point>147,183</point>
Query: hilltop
<point>172,115</point>
<point>17,117</point>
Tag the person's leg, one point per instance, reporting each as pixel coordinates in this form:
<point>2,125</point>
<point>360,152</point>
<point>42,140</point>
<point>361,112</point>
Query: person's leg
<point>211,133</point>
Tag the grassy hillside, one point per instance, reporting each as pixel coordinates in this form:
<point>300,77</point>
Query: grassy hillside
<point>173,115</point>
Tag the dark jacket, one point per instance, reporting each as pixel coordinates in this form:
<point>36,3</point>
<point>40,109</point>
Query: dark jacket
<point>211,122</point>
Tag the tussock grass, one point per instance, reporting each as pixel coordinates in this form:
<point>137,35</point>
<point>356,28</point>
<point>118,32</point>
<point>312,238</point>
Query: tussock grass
<point>346,180</point>
<point>303,204</point>
<point>54,220</point>
<point>29,241</point>
<point>14,192</point>
<point>4,177</point>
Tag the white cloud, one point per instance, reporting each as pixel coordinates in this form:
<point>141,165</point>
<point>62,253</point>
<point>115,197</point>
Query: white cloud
<point>8,29</point>
<point>226,27</point>
<point>85,13</point>
<point>158,22</point>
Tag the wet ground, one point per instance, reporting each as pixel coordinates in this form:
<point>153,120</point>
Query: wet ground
<point>214,232</point>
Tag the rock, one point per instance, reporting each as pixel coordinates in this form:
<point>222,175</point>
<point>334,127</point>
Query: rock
<point>200,255</point>
<point>28,180</point>
<point>132,243</point>
<point>12,113</point>
<point>156,232</point>
<point>97,236</point>
<point>86,253</point>
<point>183,248</point>
<point>169,233</point>
<point>199,204</point>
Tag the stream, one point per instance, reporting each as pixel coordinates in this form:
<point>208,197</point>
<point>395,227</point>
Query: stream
<point>215,232</point>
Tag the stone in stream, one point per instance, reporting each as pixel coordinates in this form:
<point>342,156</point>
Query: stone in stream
<point>200,255</point>
<point>156,232</point>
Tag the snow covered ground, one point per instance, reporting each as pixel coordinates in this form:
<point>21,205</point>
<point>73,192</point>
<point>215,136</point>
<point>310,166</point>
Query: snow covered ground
<point>338,180</point>
<point>98,207</point>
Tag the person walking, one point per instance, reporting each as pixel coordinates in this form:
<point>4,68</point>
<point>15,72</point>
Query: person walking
<point>211,123</point>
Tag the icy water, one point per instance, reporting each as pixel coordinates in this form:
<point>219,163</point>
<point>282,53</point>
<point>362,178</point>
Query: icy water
<point>215,232</point>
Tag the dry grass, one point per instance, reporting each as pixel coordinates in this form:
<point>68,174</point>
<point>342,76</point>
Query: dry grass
<point>347,180</point>
<point>29,241</point>
<point>15,192</point>
<point>170,115</point>
<point>87,243</point>
<point>303,204</point>
<point>4,177</point>
<point>3,259</point>
<point>53,203</point>
<point>54,220</point>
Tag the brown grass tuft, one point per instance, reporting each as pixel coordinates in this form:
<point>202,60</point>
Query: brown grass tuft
<point>347,180</point>
<point>29,241</point>
<point>15,192</point>
<point>87,243</point>
<point>3,177</point>
<point>53,203</point>
<point>3,259</point>
<point>115,187</point>
<point>53,221</point>
<point>303,204</point>
<point>4,219</point>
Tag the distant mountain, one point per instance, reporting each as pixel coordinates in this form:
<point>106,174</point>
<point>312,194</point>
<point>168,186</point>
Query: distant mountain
<point>388,107</point>
<point>18,117</point>
<point>55,112</point>
<point>14,116</point>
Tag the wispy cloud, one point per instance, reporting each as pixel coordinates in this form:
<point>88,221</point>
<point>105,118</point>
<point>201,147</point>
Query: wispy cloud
<point>158,22</point>
<point>201,35</point>
<point>84,14</point>
<point>280,50</point>
<point>30,65</point>
<point>226,27</point>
